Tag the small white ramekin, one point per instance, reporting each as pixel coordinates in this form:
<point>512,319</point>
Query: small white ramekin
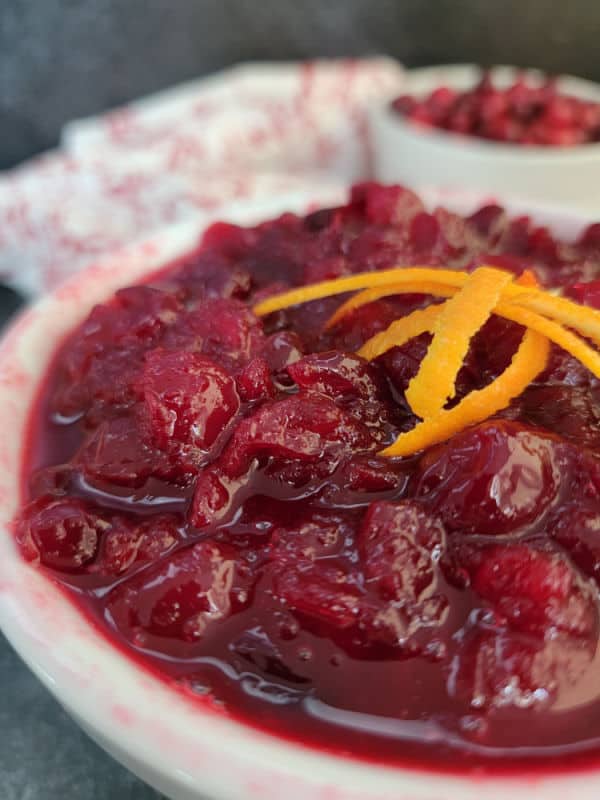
<point>186,750</point>
<point>405,152</point>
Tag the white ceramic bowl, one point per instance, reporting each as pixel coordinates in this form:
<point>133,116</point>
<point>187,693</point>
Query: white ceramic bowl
<point>420,156</point>
<point>185,750</point>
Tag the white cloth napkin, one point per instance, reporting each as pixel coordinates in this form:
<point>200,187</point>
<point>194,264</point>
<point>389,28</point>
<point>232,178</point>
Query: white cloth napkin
<point>242,136</point>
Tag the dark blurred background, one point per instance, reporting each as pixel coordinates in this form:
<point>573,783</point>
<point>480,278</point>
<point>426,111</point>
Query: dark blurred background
<point>62,59</point>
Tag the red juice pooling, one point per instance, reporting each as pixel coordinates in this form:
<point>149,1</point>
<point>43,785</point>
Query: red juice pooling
<point>206,485</point>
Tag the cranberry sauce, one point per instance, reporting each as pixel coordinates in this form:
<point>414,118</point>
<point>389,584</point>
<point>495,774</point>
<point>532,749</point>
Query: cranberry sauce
<point>207,487</point>
<point>520,113</point>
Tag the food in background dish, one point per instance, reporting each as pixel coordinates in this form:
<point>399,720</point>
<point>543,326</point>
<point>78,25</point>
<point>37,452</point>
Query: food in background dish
<point>523,113</point>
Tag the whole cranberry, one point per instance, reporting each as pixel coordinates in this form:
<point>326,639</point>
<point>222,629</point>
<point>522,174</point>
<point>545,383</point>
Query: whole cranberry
<point>493,478</point>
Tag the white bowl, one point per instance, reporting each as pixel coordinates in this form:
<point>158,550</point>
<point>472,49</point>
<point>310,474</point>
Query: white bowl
<point>405,152</point>
<point>186,750</point>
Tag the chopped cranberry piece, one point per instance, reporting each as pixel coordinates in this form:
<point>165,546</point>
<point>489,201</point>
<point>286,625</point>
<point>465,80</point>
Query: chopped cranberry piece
<point>324,592</point>
<point>254,381</point>
<point>493,478</point>
<point>225,330</point>
<point>317,535</point>
<point>102,361</point>
<point>188,402</point>
<point>178,599</point>
<point>306,428</point>
<point>577,529</point>
<point>588,294</point>
<point>212,498</point>
<point>115,453</point>
<point>61,533</point>
<point>401,545</point>
<point>374,474</point>
<point>384,205</point>
<point>496,669</point>
<point>127,545</point>
<point>535,591</point>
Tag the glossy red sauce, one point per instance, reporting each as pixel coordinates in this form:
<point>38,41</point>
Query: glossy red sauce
<point>206,487</point>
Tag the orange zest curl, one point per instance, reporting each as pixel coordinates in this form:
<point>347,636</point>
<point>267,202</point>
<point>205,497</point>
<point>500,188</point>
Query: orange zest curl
<point>529,360</point>
<point>458,321</point>
<point>470,300</point>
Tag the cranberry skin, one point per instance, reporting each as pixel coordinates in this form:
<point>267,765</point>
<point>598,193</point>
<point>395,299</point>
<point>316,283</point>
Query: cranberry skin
<point>188,401</point>
<point>577,530</point>
<point>129,545</point>
<point>400,545</point>
<point>588,294</point>
<point>100,364</point>
<point>326,593</point>
<point>535,592</point>
<point>385,205</point>
<point>254,381</point>
<point>225,330</point>
<point>493,478</point>
<point>62,534</point>
<point>114,452</point>
<point>320,534</point>
<point>304,428</point>
<point>494,669</point>
<point>571,411</point>
<point>178,599</point>
<point>336,375</point>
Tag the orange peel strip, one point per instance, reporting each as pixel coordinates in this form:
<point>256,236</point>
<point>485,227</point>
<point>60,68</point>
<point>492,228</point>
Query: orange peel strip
<point>435,288</point>
<point>529,360</point>
<point>401,331</point>
<point>356,282</point>
<point>370,295</point>
<point>422,320</point>
<point>582,319</point>
<point>454,327</point>
<point>585,321</point>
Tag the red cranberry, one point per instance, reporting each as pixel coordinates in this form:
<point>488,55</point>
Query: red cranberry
<point>571,411</point>
<point>304,428</point>
<point>493,478</point>
<point>114,452</point>
<point>254,381</point>
<point>324,592</point>
<point>534,591</point>
<point>101,363</point>
<point>177,599</point>
<point>400,546</point>
<point>316,535</point>
<point>188,401</point>
<point>500,670</point>
<point>62,533</point>
<point>225,330</point>
<point>127,545</point>
<point>577,529</point>
<point>588,294</point>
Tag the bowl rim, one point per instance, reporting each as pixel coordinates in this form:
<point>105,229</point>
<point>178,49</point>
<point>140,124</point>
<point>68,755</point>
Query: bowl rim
<point>145,722</point>
<point>421,80</point>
